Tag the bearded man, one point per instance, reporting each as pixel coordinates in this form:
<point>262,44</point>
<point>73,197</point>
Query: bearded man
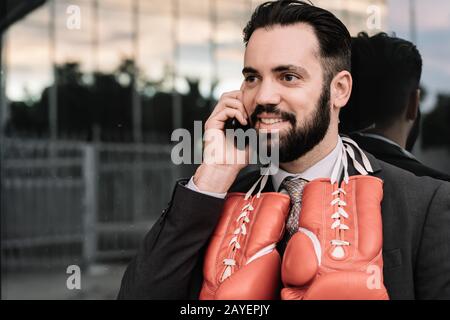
<point>296,79</point>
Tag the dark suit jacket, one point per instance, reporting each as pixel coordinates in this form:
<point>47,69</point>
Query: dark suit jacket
<point>394,155</point>
<point>416,239</point>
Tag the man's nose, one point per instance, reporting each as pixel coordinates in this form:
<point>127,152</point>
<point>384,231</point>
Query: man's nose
<point>267,94</point>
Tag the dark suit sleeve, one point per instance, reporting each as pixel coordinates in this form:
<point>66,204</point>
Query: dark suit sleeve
<point>433,262</point>
<point>169,263</point>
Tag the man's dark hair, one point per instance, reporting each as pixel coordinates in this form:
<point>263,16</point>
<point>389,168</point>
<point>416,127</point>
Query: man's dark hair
<point>333,37</point>
<point>386,71</point>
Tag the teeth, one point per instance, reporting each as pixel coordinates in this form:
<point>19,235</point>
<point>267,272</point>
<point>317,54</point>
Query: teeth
<point>270,121</point>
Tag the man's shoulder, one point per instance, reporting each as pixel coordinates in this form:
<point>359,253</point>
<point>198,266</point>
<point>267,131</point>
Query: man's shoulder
<point>420,169</point>
<point>394,155</point>
<point>414,166</point>
<point>407,183</point>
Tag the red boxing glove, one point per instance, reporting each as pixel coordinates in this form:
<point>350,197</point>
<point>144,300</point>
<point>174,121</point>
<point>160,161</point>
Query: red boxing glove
<point>337,253</point>
<point>241,261</point>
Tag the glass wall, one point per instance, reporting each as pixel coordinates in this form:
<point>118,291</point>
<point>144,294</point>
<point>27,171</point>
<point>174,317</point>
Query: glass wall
<point>94,90</point>
<point>194,45</point>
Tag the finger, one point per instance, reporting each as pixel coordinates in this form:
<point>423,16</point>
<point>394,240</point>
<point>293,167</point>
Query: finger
<point>230,103</point>
<point>236,94</point>
<point>235,104</point>
<point>218,121</point>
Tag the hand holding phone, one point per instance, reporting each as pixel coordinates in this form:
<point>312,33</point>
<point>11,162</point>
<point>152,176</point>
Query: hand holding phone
<point>218,176</point>
<point>234,124</point>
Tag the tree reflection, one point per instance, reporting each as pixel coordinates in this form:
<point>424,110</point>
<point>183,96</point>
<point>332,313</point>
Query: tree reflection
<point>99,106</point>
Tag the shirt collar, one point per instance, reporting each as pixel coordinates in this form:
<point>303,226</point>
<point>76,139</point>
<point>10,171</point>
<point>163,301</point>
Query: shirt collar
<point>380,137</point>
<point>321,169</point>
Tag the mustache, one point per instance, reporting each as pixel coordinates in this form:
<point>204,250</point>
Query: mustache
<point>272,108</point>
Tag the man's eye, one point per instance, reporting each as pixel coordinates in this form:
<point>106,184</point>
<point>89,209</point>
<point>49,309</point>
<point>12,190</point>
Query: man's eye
<point>290,77</point>
<point>250,79</point>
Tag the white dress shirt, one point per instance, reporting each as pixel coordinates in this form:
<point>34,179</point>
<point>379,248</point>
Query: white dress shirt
<point>321,169</point>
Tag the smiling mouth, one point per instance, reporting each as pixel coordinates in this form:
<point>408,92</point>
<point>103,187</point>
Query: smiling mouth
<point>270,120</point>
<point>266,123</point>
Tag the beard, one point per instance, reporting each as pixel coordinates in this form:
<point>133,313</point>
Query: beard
<point>298,141</point>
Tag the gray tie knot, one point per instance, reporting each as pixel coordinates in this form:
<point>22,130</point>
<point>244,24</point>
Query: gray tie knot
<point>294,186</point>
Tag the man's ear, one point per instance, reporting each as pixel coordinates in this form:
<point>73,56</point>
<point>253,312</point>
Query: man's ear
<point>413,105</point>
<point>341,88</point>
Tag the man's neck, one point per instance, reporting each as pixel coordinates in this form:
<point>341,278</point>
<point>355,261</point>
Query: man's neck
<point>319,152</point>
<point>393,133</point>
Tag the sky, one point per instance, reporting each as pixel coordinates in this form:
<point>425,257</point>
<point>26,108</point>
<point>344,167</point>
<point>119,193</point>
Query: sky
<point>433,41</point>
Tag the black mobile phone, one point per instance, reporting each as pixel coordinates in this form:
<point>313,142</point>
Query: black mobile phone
<point>234,124</point>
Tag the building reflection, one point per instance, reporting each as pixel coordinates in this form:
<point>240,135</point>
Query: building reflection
<point>172,44</point>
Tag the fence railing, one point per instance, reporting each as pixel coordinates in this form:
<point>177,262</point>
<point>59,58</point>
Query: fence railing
<point>70,202</point>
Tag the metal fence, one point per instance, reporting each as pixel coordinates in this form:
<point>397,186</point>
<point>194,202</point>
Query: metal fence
<point>76,203</point>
